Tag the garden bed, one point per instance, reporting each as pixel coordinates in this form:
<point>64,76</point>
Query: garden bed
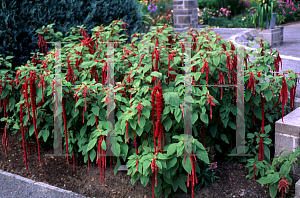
<point>55,171</point>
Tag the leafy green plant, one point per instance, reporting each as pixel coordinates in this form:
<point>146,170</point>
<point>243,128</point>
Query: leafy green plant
<point>270,176</point>
<point>264,12</point>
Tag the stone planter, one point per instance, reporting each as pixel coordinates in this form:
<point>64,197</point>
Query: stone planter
<point>273,36</point>
<point>272,23</point>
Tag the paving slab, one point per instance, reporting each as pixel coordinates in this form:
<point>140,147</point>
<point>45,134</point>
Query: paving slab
<point>12,185</point>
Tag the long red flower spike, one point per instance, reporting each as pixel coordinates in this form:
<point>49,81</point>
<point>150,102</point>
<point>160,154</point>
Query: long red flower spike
<point>140,108</point>
<point>261,145</point>
<point>284,95</point>
<point>65,126</point>
<point>210,102</point>
<point>251,83</point>
<point>254,168</point>
<point>33,106</point>
<point>206,67</point>
<point>23,135</point>
<point>220,81</point>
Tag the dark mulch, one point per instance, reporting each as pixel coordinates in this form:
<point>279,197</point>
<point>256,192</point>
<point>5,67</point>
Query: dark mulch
<point>55,171</point>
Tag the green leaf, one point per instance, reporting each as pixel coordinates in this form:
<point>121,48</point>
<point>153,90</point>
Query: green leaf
<point>258,112</point>
<point>133,124</point>
<point>232,125</point>
<point>162,156</point>
<point>262,180</point>
<point>167,123</point>
<point>187,165</point>
<point>124,150</point>
<point>199,145</point>
<point>202,155</point>
<point>12,103</point>
<point>103,145</point>
<point>167,191</point>
<point>216,60</point>
<point>267,128</point>
<point>134,178</point>
<point>79,102</point>
<point>146,112</point>
<point>91,144</point>
<point>144,180</point>
<point>96,110</point>
<point>218,148</point>
<point>146,165</point>
<point>264,86</point>
<point>171,162</point>
<point>91,121</point>
<point>175,185</point>
<point>213,130</point>
<point>147,67</point>
<point>117,166</point>
<point>82,130</point>
<point>194,117</point>
<point>273,190</point>
<point>178,117</point>
<point>31,130</point>
<point>224,138</point>
<point>268,95</point>
<point>171,149</point>
<point>159,165</point>
<point>116,148</point>
<point>142,122</point>
<point>45,134</point>
<point>85,158</point>
<point>204,118</point>
<point>92,155</point>
<point>247,95</point>
<point>182,185</point>
<point>156,74</point>
<point>172,99</point>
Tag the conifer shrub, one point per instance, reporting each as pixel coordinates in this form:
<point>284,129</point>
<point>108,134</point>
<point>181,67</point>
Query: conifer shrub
<point>21,19</point>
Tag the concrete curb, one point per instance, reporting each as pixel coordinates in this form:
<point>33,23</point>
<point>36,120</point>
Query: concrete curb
<point>40,184</point>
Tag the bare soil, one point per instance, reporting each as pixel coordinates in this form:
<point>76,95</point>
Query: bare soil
<point>55,171</point>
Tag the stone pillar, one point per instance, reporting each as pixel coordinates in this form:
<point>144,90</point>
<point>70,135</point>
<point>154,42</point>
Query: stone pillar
<point>185,13</point>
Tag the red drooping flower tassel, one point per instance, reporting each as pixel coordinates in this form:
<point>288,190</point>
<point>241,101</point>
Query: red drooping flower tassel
<point>207,69</point>
<point>254,168</point>
<point>261,145</point>
<point>284,95</point>
<point>33,106</point>
<point>23,135</point>
<point>251,83</point>
<point>283,185</point>
<point>65,124</point>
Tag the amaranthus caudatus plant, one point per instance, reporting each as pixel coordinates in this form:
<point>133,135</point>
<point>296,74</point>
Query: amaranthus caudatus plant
<point>149,76</point>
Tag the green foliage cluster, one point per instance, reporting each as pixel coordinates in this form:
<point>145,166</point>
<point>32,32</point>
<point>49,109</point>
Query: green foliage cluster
<point>271,173</point>
<point>235,6</point>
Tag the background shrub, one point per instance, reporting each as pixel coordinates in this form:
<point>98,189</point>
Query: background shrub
<point>22,18</point>
<point>235,6</point>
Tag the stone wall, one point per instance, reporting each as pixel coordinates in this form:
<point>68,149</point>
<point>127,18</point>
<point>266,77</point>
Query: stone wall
<point>185,13</point>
